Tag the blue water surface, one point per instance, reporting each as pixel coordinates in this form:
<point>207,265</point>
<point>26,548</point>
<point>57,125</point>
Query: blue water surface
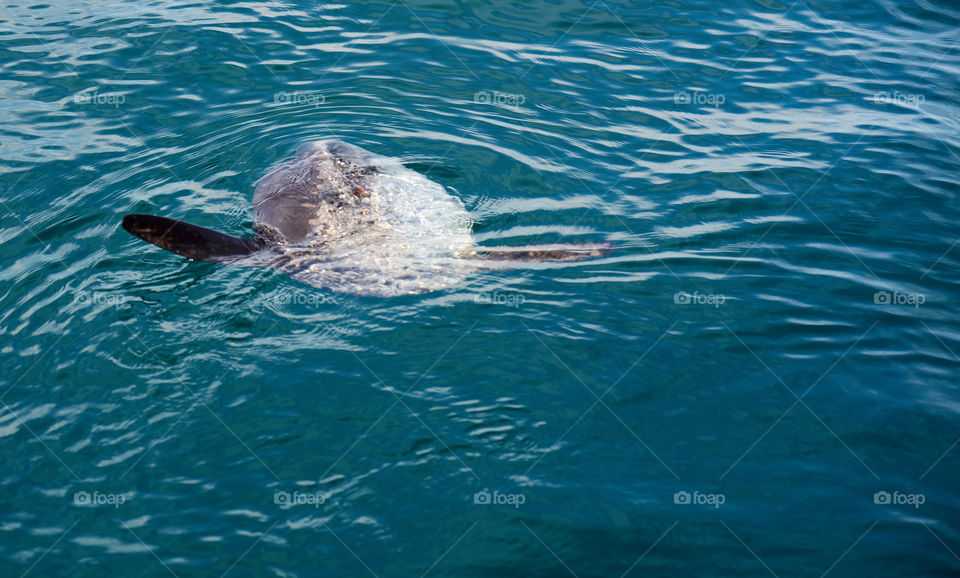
<point>761,378</point>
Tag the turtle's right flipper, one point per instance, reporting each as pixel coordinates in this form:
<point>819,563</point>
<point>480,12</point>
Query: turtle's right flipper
<point>542,253</point>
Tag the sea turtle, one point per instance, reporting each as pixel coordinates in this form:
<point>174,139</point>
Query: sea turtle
<point>341,218</point>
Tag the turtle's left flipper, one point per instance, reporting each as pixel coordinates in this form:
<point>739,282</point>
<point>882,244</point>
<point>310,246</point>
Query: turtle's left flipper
<point>191,241</point>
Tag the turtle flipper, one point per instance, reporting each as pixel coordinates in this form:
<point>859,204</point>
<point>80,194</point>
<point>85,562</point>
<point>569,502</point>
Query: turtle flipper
<point>190,241</point>
<point>542,253</point>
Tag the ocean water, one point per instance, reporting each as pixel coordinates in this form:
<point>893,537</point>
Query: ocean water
<point>761,378</point>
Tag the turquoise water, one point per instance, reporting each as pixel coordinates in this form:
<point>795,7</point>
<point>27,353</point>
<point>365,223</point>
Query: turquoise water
<point>760,380</point>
